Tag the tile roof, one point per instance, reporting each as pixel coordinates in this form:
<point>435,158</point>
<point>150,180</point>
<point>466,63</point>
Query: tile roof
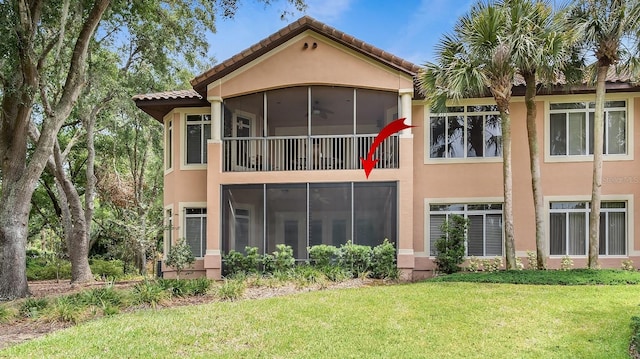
<point>200,82</point>
<point>168,95</point>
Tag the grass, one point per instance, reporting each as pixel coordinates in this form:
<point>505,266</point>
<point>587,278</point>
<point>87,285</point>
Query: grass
<point>428,319</point>
<point>550,277</point>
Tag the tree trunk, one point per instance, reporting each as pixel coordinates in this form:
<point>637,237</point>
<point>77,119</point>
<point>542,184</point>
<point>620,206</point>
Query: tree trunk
<point>77,239</point>
<point>14,218</point>
<point>534,160</point>
<point>509,232</point>
<point>596,186</point>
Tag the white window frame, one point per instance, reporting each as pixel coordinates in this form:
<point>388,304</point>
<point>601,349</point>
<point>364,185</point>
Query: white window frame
<point>548,100</point>
<point>169,230</point>
<point>205,111</point>
<point>605,198</point>
<point>182,207</point>
<point>427,133</point>
<point>169,143</point>
<point>466,201</point>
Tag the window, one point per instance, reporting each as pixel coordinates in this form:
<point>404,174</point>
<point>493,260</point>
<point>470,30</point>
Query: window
<point>195,232</point>
<point>466,132</point>
<point>168,154</point>
<point>571,128</point>
<point>484,235</point>
<point>198,132</point>
<point>569,228</point>
<point>168,239</point>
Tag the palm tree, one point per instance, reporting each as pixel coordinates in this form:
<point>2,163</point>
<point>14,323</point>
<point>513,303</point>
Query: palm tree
<point>473,61</point>
<point>542,44</point>
<point>606,25</point>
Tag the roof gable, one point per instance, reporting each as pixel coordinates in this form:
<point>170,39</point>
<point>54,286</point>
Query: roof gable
<point>303,24</point>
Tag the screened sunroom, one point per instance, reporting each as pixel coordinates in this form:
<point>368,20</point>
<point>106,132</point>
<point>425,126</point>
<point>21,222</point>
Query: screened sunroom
<point>307,128</point>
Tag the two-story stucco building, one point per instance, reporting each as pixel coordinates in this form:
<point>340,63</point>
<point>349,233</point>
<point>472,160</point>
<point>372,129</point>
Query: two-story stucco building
<point>265,149</point>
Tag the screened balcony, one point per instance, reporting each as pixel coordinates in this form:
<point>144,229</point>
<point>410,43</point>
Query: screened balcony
<point>308,128</point>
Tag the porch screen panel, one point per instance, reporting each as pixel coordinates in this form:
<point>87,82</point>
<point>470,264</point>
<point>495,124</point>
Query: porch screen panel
<point>374,110</point>
<point>286,217</point>
<point>242,218</point>
<point>331,110</point>
<point>330,213</point>
<point>375,212</point>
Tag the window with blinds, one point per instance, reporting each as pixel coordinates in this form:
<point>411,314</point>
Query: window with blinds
<point>485,233</point>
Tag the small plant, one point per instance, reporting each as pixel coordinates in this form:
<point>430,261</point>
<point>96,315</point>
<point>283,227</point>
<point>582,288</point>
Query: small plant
<point>6,314</point>
<point>336,273</point>
<point>383,261</point>
<point>148,292</point>
<point>99,297</point>
<point>199,286</point>
<point>566,263</point>
<point>33,307</point>
<point>450,247</point>
<point>532,260</point>
<point>519,265</point>
<point>106,269</point>
<point>180,256</point>
<point>322,255</point>
<point>492,265</point>
<point>231,290</point>
<point>305,275</point>
<point>65,309</point>
<point>628,265</point>
<point>474,264</point>
<point>355,258</point>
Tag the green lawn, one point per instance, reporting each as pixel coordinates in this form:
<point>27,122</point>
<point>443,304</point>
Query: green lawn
<point>422,320</point>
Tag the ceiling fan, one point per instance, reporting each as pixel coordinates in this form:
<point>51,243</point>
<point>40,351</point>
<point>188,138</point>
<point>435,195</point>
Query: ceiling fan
<point>317,110</point>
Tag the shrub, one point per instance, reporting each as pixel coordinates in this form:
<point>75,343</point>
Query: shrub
<point>231,290</point>
<point>322,255</point>
<point>566,263</point>
<point>180,256</point>
<point>148,292</point>
<point>532,260</point>
<point>283,259</point>
<point>33,307</point>
<point>355,258</point>
<point>236,262</point>
<point>492,265</point>
<point>628,265</point>
<point>450,247</point>
<point>474,264</point>
<point>107,269</point>
<point>383,261</point>
<point>41,269</point>
<point>519,265</point>
<point>268,263</point>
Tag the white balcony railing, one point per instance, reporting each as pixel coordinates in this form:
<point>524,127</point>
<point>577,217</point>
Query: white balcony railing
<point>300,153</point>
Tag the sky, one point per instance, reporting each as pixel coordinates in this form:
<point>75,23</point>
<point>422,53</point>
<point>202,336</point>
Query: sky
<point>408,29</point>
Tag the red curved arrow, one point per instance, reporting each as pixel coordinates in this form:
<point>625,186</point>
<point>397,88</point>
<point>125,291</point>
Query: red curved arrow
<point>388,130</point>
